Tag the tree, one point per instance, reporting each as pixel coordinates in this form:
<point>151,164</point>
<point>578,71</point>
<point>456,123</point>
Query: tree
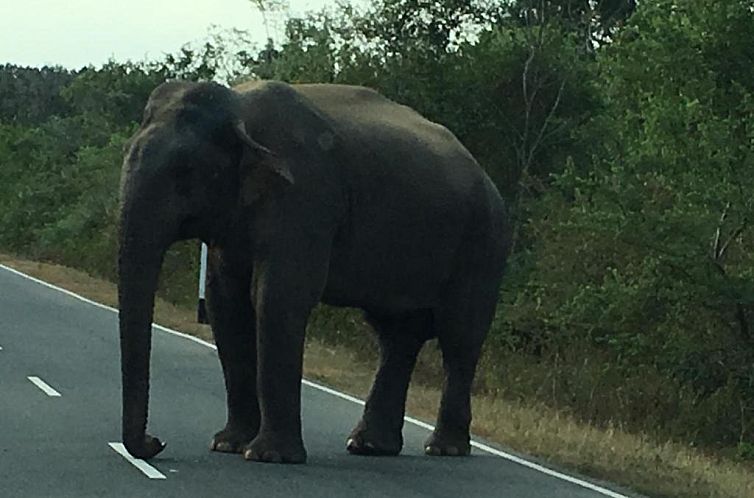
<point>648,252</point>
<point>595,21</point>
<point>29,95</point>
<point>114,94</point>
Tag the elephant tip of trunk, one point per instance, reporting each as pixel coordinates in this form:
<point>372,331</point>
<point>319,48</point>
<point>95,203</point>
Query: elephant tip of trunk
<point>144,449</point>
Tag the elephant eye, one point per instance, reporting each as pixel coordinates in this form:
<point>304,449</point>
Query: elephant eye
<point>180,161</point>
<point>181,172</point>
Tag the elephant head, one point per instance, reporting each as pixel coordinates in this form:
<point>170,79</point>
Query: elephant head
<point>182,178</point>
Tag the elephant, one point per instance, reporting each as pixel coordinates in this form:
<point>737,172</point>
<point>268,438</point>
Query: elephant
<point>308,194</point>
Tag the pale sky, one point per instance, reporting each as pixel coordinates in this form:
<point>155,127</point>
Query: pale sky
<point>75,33</point>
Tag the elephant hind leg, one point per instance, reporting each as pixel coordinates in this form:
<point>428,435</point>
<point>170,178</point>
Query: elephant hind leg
<point>462,323</point>
<point>401,336</point>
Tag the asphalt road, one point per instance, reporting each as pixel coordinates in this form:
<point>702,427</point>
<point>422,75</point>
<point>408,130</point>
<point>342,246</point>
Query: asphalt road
<point>58,446</point>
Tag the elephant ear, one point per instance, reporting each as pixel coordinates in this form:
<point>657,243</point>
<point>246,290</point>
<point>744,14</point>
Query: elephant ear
<point>258,157</point>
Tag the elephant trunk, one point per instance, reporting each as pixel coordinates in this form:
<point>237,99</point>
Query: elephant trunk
<point>140,258</point>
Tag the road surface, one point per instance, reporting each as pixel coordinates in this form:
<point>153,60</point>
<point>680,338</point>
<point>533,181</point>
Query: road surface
<point>60,423</point>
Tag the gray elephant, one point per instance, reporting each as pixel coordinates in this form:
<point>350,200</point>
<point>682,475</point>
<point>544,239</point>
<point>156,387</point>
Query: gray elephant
<point>308,194</point>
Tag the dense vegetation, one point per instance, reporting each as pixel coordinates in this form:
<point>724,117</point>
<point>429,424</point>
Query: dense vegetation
<point>622,136</point>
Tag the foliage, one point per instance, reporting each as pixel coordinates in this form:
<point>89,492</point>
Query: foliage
<point>620,133</point>
<point>648,254</point>
<point>28,96</point>
<point>594,22</point>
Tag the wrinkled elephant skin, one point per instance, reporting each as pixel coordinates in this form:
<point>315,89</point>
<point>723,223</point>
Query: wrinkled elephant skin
<point>308,194</point>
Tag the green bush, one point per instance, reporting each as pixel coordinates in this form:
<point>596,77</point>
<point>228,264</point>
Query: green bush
<point>624,145</point>
<point>648,255</point>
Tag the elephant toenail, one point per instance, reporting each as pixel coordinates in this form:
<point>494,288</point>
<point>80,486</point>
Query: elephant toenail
<point>432,451</point>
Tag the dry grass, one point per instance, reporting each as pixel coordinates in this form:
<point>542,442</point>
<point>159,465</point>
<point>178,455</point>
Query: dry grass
<point>657,469</point>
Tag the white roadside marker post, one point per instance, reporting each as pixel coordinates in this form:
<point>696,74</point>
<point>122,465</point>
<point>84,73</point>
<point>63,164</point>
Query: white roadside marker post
<point>201,308</point>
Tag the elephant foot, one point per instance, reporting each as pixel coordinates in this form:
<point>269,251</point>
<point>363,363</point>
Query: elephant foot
<point>439,444</point>
<point>274,449</point>
<point>231,440</point>
<point>145,448</point>
<point>371,442</point>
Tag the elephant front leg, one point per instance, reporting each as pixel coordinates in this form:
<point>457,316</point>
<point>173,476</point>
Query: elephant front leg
<point>281,347</point>
<point>234,328</point>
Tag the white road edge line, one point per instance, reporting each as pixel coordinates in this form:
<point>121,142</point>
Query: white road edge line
<point>45,387</point>
<point>480,446</point>
<point>143,466</point>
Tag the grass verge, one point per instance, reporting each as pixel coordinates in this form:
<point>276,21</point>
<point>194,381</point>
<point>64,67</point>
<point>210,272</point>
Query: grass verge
<point>659,469</point>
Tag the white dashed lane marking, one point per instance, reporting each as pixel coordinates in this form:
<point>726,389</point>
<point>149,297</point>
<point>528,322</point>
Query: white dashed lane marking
<point>143,466</point>
<point>480,446</point>
<point>46,388</point>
